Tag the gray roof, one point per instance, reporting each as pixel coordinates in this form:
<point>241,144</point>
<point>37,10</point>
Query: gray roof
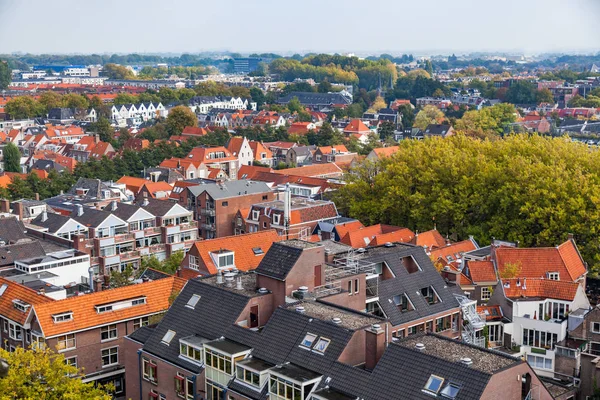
<point>19,251</point>
<point>94,186</point>
<point>11,230</point>
<point>47,165</point>
<point>279,261</point>
<point>315,99</point>
<point>437,129</point>
<point>53,221</point>
<point>158,208</point>
<point>123,210</point>
<point>409,283</point>
<point>91,217</point>
<point>230,189</point>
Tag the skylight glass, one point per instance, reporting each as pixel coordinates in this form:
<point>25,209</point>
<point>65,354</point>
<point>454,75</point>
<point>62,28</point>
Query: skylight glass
<point>3,288</point>
<point>193,301</point>
<point>308,340</point>
<point>450,391</point>
<point>321,345</point>
<point>434,384</point>
<point>168,337</point>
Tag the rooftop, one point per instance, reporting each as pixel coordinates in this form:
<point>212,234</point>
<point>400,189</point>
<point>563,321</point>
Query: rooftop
<point>248,281</point>
<point>486,361</point>
<point>349,319</point>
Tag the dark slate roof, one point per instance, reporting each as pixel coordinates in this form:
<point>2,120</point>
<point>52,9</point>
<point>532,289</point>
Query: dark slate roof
<point>60,113</point>
<point>230,189</point>
<point>94,187</point>
<point>123,210</point>
<point>166,174</point>
<point>153,274</point>
<point>315,99</point>
<point>53,222</point>
<point>47,165</point>
<point>216,311</point>
<point>158,208</point>
<point>20,251</point>
<point>302,151</point>
<point>437,129</point>
<point>11,230</point>
<point>90,217</point>
<point>279,261</point>
<point>481,252</point>
<point>388,111</point>
<point>142,334</point>
<point>409,284</point>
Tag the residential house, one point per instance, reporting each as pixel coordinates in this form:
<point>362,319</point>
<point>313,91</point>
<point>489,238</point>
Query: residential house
<point>438,130</point>
<point>358,236</point>
<point>301,128</point>
<point>333,154</point>
<point>300,155</point>
<point>382,152</point>
<point>261,153</point>
<point>240,148</point>
<point>318,101</point>
<point>325,171</point>
<point>280,150</point>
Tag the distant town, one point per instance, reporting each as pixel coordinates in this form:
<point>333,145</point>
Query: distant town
<point>321,227</point>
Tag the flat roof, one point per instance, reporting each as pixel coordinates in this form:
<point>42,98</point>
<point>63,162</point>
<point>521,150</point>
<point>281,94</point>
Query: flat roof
<point>486,361</point>
<point>227,346</point>
<point>56,256</point>
<point>249,287</point>
<point>349,320</point>
<point>256,364</point>
<point>299,244</point>
<point>295,372</point>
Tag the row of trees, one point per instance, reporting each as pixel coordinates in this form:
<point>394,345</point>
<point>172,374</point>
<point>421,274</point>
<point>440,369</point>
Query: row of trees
<point>29,107</point>
<point>527,189</point>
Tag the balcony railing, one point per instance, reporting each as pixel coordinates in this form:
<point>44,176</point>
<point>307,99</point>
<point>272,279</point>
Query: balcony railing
<point>207,211</point>
<point>124,237</point>
<point>153,230</point>
<point>128,255</point>
<point>208,226</point>
<point>188,226</point>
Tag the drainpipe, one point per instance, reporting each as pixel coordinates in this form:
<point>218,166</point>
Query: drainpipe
<point>193,379</point>
<point>139,352</point>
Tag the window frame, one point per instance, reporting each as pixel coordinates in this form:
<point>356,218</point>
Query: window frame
<point>149,371</point>
<point>69,337</point>
<point>430,381</point>
<point>109,355</point>
<point>111,332</point>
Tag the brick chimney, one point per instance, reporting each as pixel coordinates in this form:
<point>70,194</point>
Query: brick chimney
<point>374,345</point>
<point>5,206</point>
<point>18,210</point>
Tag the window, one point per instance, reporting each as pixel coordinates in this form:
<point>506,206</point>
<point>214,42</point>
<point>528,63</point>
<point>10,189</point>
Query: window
<point>139,322</point>
<point>110,356</point>
<point>108,332</point>
<point>282,389</point>
<point>193,301</point>
<point>193,262</point>
<point>255,215</point>
<point>189,389</point>
<point>308,340</point>
<point>539,362</point>
<point>218,361</point>
<point>190,352</point>
<point>443,324</point>
<point>535,338</point>
<point>62,317</point>
<point>224,204</point>
<point>596,327</point>
<point>430,295</point>
<point>356,286</point>
<point>138,302</point>
<point>264,224</point>
<point>226,260</point>
<point>153,394</point>
<point>72,361</point>
<point>485,293</point>
<point>553,276</point>
<point>103,309</point>
<point>5,325</point>
<point>257,251</point>
<point>149,370</point>
<point>411,330</point>
<point>213,392</point>
<point>276,219</point>
<point>248,376</point>
<point>15,332</point>
<point>168,337</point>
<point>450,391</point>
<point>403,302</point>
<point>66,342</point>
<point>321,345</point>
<point>179,381</point>
<point>434,384</point>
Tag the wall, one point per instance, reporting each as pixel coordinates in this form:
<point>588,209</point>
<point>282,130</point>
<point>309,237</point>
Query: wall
<point>507,384</point>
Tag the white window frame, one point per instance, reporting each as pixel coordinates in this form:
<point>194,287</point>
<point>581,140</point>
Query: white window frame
<point>110,354</point>
<point>486,293</point>
<point>193,262</point>
<point>68,338</point>
<point>597,325</point>
<point>111,333</point>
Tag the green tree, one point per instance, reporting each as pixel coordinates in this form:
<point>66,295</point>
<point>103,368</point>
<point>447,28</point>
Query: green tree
<point>42,374</point>
<point>121,278</point>
<point>407,114</point>
<point>257,96</point>
<point>12,158</point>
<point>5,74</point>
<point>428,115</point>
<point>324,87</point>
<point>544,96</point>
<point>24,107</point>
<point>294,105</point>
<point>179,117</point>
<point>114,71</point>
<point>50,100</point>
<point>530,189</point>
<point>521,92</point>
<point>76,101</point>
<point>487,121</point>
<point>386,130</point>
<point>103,129</point>
<point>125,98</point>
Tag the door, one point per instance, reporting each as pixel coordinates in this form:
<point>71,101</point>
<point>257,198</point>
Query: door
<point>254,317</point>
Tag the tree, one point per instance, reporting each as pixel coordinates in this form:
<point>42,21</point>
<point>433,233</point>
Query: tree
<point>42,374</point>
<point>12,158</point>
<point>179,117</point>
<point>438,93</point>
<point>50,100</point>
<point>5,74</point>
<point>324,87</point>
<point>24,107</point>
<point>294,105</point>
<point>386,129</point>
<point>76,101</point>
<point>530,189</point>
<point>521,92</point>
<point>407,114</point>
<point>258,96</point>
<point>487,121</point>
<point>125,98</point>
<point>544,96</point>
<point>378,104</point>
<point>428,115</point>
<point>121,278</point>
<point>114,71</point>
<point>103,129</point>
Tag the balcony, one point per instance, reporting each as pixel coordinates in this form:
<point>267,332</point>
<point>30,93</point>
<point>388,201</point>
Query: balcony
<point>207,211</point>
<point>124,237</point>
<point>372,288</point>
<point>153,230</point>
<point>157,248</point>
<point>208,226</point>
<point>130,255</point>
<point>188,226</point>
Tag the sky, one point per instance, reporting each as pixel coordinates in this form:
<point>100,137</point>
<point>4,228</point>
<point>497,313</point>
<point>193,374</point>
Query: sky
<point>283,26</point>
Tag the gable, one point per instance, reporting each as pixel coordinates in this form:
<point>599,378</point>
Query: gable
<point>176,210</point>
<point>111,220</point>
<point>139,215</point>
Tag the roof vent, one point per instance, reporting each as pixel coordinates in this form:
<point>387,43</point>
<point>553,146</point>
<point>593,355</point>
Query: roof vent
<point>239,285</point>
<point>145,203</point>
<point>360,250</point>
<point>420,346</point>
<point>79,210</point>
<point>219,278</point>
<point>337,321</point>
<point>376,327</point>
<point>466,361</point>
<point>263,290</point>
<point>303,289</point>
<point>229,279</point>
<point>389,244</point>
<point>300,309</point>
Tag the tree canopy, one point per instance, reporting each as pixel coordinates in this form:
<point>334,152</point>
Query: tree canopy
<point>179,117</point>
<point>528,189</point>
<point>12,158</point>
<point>4,74</point>
<point>41,374</point>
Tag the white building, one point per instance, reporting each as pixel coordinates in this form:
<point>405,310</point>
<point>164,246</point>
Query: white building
<point>69,266</point>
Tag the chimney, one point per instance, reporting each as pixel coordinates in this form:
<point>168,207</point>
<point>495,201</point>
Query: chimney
<point>5,206</point>
<point>570,236</point>
<point>145,202</point>
<point>91,278</point>
<point>374,345</point>
<point>229,279</point>
<point>18,210</point>
<point>96,139</point>
<point>79,210</point>
<point>37,197</point>
<point>219,278</point>
<point>44,216</point>
<point>113,205</point>
<point>239,286</point>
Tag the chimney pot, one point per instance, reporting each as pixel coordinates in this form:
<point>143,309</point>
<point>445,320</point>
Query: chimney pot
<point>466,361</point>
<point>420,346</point>
<point>300,309</point>
<point>336,321</point>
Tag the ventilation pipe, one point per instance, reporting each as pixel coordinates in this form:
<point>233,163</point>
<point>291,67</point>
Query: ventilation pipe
<point>44,216</point>
<point>287,203</point>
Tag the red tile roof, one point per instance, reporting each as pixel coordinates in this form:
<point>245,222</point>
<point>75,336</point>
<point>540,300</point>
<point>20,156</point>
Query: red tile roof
<point>315,170</point>
<point>432,239</point>
<point>482,271</point>
<point>356,126</point>
<point>194,131</point>
<point>363,237</point>
<point>538,262</point>
<point>258,148</point>
<point>235,144</point>
<point>201,154</point>
<point>241,245</point>
<point>85,316</point>
<point>382,152</point>
<point>343,229</point>
<point>539,288</point>
<point>250,171</point>
<point>455,250</point>
<point>132,183</point>
<point>492,313</point>
<point>16,291</point>
<point>404,235</point>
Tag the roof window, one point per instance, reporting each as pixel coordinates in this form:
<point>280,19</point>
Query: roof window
<point>168,337</point>
<point>321,345</point>
<point>403,302</point>
<point>308,340</point>
<point>3,288</point>
<point>434,384</point>
<point>257,251</point>
<point>193,301</point>
<point>62,317</point>
<point>450,391</point>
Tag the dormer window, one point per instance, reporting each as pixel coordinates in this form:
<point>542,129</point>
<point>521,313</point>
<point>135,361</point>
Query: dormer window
<point>68,316</point>
<point>21,305</point>
<point>190,351</point>
<point>554,276</point>
<point>403,302</point>
<point>410,265</point>
<point>277,219</point>
<point>225,259</point>
<point>255,215</point>
<point>430,295</point>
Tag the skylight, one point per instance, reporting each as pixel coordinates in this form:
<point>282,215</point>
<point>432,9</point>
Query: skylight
<point>450,391</point>
<point>321,345</point>
<point>257,251</point>
<point>434,384</point>
<point>193,301</point>
<point>168,337</point>
<point>3,288</point>
<point>308,340</point>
